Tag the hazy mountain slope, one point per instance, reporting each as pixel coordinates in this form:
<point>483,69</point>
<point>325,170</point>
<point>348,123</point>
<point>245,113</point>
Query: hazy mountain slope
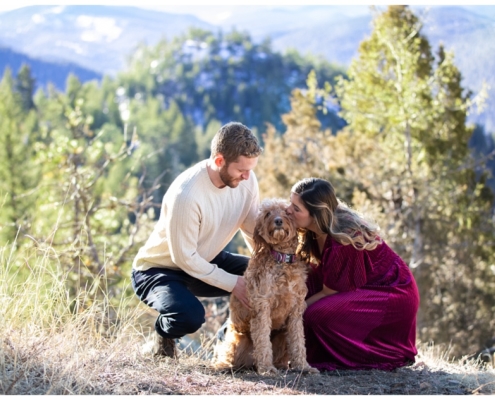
<point>96,37</point>
<point>334,33</point>
<point>337,41</point>
<point>472,39</point>
<point>43,71</point>
<point>263,21</point>
<point>100,37</point>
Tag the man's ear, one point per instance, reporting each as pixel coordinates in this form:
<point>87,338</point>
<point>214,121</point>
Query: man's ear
<point>219,160</point>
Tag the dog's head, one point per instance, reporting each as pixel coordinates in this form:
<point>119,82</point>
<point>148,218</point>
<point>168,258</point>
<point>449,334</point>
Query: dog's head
<point>273,225</point>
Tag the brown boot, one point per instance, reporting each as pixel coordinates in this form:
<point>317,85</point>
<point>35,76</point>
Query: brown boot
<point>164,347</point>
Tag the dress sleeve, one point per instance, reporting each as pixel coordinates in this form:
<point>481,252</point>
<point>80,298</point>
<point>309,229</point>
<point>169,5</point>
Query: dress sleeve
<point>345,268</point>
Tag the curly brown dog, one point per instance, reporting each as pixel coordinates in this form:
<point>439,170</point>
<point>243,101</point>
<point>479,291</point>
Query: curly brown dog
<point>271,334</point>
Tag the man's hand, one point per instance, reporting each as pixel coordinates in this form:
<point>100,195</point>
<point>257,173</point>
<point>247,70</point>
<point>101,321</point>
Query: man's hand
<point>240,292</point>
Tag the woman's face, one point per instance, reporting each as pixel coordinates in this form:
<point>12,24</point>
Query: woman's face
<point>299,213</point>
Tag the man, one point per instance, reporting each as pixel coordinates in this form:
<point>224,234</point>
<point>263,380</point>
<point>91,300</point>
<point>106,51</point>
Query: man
<point>201,212</point>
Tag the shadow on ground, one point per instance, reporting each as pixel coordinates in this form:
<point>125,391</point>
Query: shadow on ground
<point>414,380</point>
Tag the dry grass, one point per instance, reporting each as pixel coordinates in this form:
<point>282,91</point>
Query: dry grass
<point>50,344</point>
<point>75,362</point>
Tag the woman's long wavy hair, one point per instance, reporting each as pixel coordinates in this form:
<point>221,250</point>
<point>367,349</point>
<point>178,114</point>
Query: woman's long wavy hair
<point>334,218</point>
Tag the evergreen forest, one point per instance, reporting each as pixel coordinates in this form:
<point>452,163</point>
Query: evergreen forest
<point>83,171</point>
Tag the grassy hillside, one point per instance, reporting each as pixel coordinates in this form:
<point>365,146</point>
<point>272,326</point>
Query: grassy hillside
<point>52,344</point>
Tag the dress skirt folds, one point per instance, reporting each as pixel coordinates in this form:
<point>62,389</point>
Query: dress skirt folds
<point>371,321</point>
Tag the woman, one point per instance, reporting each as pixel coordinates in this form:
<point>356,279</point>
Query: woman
<point>362,299</point>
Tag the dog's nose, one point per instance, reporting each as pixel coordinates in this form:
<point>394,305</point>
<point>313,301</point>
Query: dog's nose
<point>278,221</point>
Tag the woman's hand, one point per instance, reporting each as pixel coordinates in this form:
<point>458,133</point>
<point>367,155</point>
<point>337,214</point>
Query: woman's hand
<point>326,291</point>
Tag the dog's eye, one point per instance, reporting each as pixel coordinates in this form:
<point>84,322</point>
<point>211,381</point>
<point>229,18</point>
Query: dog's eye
<point>267,215</point>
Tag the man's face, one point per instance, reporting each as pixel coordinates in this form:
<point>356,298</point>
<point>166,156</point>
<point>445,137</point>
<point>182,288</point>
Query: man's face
<point>232,174</point>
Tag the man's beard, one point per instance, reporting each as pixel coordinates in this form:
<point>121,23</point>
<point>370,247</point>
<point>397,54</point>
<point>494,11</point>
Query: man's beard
<point>227,179</point>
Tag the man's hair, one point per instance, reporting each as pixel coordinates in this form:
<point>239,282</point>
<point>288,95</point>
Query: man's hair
<point>233,140</point>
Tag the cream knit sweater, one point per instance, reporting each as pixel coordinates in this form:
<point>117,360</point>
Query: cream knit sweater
<point>197,221</point>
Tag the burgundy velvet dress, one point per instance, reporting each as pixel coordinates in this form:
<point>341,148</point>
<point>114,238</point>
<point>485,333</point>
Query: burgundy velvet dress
<point>371,322</point>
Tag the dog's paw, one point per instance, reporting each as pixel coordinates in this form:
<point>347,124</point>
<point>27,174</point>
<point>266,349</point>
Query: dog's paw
<point>311,370</point>
<point>221,366</point>
<point>306,369</point>
<point>267,370</point>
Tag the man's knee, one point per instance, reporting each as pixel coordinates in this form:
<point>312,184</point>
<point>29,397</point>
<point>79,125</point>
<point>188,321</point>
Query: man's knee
<point>181,322</point>
<point>191,320</point>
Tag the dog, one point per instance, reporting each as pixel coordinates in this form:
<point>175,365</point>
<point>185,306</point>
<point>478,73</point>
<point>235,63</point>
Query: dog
<point>270,335</point>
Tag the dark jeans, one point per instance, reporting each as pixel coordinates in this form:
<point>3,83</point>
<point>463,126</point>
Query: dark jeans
<point>173,294</point>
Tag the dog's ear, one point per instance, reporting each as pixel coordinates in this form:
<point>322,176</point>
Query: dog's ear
<point>259,242</point>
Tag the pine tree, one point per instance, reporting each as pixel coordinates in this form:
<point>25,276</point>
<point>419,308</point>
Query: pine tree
<point>25,87</point>
<point>302,150</point>
<point>92,206</point>
<point>167,142</point>
<point>18,172</point>
<point>223,76</point>
<point>413,107</point>
<point>404,160</point>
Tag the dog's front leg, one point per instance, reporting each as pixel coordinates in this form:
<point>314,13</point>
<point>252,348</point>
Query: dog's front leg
<point>261,326</point>
<point>296,343</point>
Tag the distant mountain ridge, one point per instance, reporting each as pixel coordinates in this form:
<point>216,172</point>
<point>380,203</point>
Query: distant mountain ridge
<point>95,37</point>
<point>471,38</point>
<point>330,32</point>
<point>100,37</point>
<point>43,71</point>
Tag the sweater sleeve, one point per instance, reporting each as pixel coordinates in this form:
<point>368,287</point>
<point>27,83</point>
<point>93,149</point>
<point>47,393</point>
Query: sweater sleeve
<point>182,227</point>
<point>247,227</point>
<point>345,268</point>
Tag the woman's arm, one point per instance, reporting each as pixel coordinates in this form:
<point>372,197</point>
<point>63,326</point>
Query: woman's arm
<point>326,291</point>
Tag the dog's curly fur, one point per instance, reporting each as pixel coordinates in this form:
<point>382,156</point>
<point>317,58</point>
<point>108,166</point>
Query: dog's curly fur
<point>271,334</point>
